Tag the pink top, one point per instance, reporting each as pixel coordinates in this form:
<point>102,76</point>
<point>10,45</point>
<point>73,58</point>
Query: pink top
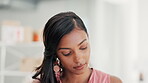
<point>98,77</point>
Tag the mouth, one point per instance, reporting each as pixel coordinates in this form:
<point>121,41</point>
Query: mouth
<point>79,67</point>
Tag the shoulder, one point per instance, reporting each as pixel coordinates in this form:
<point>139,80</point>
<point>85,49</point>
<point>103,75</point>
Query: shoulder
<point>35,81</point>
<point>114,79</point>
<point>99,73</point>
<point>99,77</point>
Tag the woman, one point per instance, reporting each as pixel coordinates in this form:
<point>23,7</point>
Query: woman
<point>67,53</point>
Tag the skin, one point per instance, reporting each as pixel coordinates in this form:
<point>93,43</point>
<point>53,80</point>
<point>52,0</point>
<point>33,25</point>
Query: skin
<point>35,81</point>
<point>114,79</point>
<point>74,53</point>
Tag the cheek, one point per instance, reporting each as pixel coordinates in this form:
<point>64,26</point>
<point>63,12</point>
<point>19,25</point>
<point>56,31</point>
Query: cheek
<point>86,58</point>
<point>87,52</point>
<point>87,55</point>
<point>65,62</point>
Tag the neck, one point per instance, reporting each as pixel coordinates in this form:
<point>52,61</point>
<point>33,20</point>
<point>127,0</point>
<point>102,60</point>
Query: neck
<point>69,77</point>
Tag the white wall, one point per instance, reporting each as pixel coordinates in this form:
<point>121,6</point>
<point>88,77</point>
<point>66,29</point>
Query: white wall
<point>38,17</point>
<point>115,37</point>
<point>143,39</point>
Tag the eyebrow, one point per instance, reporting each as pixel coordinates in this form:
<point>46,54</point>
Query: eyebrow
<point>78,44</point>
<point>63,48</point>
<point>81,42</point>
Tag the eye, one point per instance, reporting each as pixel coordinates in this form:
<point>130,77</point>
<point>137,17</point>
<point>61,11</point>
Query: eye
<point>66,53</point>
<point>83,48</point>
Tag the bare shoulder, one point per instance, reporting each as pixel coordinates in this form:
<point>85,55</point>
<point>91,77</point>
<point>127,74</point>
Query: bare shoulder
<point>114,79</point>
<point>35,81</point>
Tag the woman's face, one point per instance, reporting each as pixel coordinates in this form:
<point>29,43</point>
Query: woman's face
<point>74,51</point>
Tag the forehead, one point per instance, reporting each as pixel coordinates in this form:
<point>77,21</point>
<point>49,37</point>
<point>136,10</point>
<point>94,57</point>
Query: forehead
<point>74,37</point>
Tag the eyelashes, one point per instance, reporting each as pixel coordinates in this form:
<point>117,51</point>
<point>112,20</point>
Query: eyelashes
<point>70,52</point>
<point>83,48</point>
<point>67,54</point>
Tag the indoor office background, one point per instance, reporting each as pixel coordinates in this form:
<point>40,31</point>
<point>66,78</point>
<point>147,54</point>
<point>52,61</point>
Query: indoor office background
<point>117,31</point>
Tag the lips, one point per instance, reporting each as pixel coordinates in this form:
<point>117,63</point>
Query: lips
<point>79,67</point>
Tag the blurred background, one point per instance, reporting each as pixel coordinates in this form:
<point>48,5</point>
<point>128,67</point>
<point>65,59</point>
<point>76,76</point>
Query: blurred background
<point>117,29</point>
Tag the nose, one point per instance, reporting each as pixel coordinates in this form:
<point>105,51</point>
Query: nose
<point>78,58</point>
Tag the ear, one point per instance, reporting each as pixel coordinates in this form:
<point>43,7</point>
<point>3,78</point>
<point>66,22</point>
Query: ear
<point>114,79</point>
